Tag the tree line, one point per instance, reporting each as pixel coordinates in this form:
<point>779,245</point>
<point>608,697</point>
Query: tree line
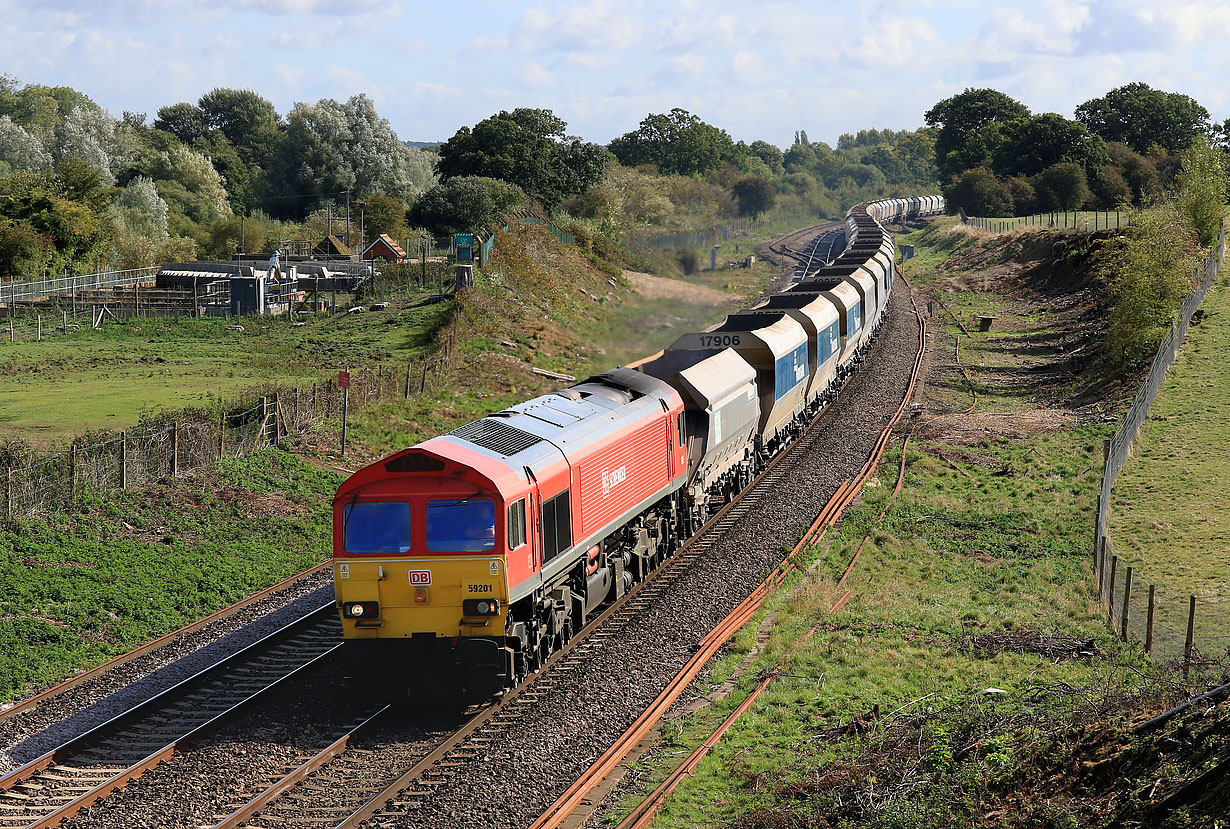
<point>996,158</point>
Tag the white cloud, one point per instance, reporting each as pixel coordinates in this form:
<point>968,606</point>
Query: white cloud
<point>536,76</point>
<point>292,76</point>
<point>597,24</point>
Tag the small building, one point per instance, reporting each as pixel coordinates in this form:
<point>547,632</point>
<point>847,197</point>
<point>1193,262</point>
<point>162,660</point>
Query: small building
<point>384,248</point>
<point>332,246</point>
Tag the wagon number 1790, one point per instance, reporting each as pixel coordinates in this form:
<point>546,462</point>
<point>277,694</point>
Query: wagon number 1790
<point>718,340</point>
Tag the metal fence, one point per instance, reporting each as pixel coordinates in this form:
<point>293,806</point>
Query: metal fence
<point>1170,624</point>
<point>1088,220</point>
<point>67,285</point>
<point>303,417</point>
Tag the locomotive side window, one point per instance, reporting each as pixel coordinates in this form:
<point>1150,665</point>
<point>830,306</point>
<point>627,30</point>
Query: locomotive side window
<point>374,527</point>
<point>681,432</point>
<point>460,526</point>
<point>516,525</point>
<point>556,526</point>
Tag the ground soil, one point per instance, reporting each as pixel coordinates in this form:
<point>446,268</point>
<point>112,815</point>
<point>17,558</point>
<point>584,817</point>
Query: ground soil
<point>657,287</point>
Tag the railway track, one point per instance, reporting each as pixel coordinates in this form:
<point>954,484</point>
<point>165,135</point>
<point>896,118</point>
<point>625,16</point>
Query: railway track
<point>94,765</point>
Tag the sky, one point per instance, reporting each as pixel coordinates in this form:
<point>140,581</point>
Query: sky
<point>759,70</point>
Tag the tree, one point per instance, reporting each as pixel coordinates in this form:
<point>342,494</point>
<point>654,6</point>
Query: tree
<point>384,214</point>
<point>250,123</point>
<point>1202,184</point>
<point>979,193</point>
<point>1138,171</point>
<point>24,251</point>
<point>140,211</point>
<point>754,195</point>
<point>677,143</point>
<point>772,157</point>
<point>465,203</point>
<point>331,148</point>
<point>20,150</point>
<point>528,148</point>
<point>1139,116</point>
<point>962,142</point>
<point>183,120</point>
<point>1030,145</point>
<point>1062,186</point>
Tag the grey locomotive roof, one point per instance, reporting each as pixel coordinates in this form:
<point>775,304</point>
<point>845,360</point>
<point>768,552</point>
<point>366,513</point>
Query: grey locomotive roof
<point>537,432</point>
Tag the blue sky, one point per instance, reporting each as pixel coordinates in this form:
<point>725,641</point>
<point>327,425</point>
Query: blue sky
<point>757,69</point>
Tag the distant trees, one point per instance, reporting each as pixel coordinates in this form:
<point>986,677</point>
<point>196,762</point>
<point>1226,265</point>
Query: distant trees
<point>676,143</point>
<point>1141,117</point>
<point>528,148</point>
<point>1031,155</point>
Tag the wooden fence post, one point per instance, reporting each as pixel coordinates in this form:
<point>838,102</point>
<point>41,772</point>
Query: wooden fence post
<point>1191,629</point>
<point>174,449</point>
<point>1127,598</point>
<point>1110,588</point>
<point>265,417</point>
<point>277,417</point>
<point>1149,621</point>
<point>123,460</point>
<point>72,473</point>
<point>406,393</point>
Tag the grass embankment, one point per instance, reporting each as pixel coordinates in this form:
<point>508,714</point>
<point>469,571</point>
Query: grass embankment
<point>128,567</point>
<point>955,688</point>
<point>1167,517</point>
<point>107,378</point>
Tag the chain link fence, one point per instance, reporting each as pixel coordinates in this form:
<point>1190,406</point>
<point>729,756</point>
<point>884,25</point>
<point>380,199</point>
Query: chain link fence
<point>185,442</point>
<point>1171,625</point>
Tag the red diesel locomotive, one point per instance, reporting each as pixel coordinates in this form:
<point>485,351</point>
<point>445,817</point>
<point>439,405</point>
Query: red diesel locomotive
<point>462,562</point>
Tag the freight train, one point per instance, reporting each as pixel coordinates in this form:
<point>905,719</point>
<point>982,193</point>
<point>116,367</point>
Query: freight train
<point>462,563</point>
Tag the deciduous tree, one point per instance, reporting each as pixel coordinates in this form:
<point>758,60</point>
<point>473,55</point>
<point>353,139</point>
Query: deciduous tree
<point>677,143</point>
<point>1140,116</point>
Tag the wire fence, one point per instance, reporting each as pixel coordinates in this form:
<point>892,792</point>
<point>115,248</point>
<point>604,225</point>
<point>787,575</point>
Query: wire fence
<point>186,442</point>
<point>1087,220</point>
<point>1170,624</point>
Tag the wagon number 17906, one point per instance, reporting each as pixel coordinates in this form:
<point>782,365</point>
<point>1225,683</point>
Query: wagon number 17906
<point>718,340</point>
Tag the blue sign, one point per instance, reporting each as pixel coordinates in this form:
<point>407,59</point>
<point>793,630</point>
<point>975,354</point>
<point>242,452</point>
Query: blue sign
<point>465,240</point>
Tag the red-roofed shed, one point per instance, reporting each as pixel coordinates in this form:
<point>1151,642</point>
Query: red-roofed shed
<point>384,248</point>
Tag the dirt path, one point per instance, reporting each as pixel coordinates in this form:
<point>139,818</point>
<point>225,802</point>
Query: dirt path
<point>657,287</point>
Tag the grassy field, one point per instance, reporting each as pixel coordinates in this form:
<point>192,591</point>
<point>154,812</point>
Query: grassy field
<point>911,706</point>
<point>107,378</point>
<point>1167,517</point>
<point>127,567</point>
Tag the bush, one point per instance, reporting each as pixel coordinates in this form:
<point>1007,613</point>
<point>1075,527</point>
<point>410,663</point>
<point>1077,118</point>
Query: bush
<point>688,260</point>
<point>1148,272</point>
<point>1202,190</point>
<point>1062,187</point>
<point>979,193</point>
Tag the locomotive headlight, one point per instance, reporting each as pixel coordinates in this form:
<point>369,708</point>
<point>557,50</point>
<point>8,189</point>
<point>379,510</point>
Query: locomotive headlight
<point>480,607</point>
<point>361,610</point>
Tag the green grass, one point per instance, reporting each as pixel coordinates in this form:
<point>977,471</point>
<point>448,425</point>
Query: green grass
<point>130,566</point>
<point>1165,516</point>
<point>108,378</point>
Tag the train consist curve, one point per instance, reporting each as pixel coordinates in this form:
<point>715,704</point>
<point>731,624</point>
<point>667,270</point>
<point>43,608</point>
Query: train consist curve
<point>463,562</point>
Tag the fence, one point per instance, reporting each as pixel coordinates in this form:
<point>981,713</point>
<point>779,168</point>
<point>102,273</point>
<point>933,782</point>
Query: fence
<point>68,285</point>
<point>488,244</point>
<point>1167,622</point>
<point>1088,220</point>
<point>195,440</point>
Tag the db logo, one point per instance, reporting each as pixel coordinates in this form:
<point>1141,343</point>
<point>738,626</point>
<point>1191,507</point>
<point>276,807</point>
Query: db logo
<point>420,578</point>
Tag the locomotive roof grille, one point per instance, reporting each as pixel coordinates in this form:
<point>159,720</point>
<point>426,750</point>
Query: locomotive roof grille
<point>496,436</point>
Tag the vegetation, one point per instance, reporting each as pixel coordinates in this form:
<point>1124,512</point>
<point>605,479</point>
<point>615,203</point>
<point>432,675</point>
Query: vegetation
<point>995,158</point>
<point>130,566</point>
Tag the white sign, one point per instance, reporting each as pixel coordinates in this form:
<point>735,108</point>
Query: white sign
<point>420,578</point>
